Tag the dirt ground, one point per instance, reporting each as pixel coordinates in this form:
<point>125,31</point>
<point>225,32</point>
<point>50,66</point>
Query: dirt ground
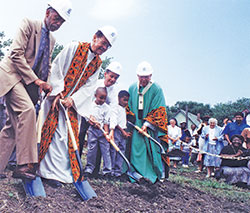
<point>116,196</point>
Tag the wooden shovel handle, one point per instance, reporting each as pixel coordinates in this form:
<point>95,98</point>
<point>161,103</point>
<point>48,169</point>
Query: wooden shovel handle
<point>39,125</point>
<point>110,140</point>
<point>71,133</point>
<point>114,145</point>
<point>141,131</point>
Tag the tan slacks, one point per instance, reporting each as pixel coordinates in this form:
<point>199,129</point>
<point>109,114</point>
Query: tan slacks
<point>20,128</point>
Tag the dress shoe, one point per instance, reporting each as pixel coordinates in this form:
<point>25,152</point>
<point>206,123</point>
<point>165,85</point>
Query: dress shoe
<point>53,183</point>
<point>11,167</point>
<point>24,171</point>
<point>123,177</point>
<point>107,176</point>
<point>2,176</point>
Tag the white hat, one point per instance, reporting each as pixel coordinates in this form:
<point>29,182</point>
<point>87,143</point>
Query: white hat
<point>115,67</point>
<point>144,69</point>
<point>63,7</point>
<point>110,33</point>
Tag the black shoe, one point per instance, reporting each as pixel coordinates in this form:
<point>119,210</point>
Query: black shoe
<point>87,175</point>
<point>24,171</point>
<point>108,176</point>
<point>11,167</point>
<point>53,183</point>
<point>2,176</point>
<point>123,177</point>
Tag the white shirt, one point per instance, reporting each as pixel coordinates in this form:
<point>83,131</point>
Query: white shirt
<point>174,132</point>
<point>120,118</point>
<point>100,112</point>
<point>112,97</point>
<point>211,136</point>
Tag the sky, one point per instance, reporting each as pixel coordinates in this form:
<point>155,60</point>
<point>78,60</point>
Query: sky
<point>199,49</point>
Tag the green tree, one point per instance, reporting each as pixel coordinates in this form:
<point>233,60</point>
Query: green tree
<point>56,51</point>
<point>227,110</point>
<point>104,65</point>
<point>4,44</point>
<point>193,107</point>
<point>171,111</point>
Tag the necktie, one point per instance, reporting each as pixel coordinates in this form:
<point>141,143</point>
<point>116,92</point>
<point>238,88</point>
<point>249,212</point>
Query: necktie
<point>45,63</point>
<point>43,55</point>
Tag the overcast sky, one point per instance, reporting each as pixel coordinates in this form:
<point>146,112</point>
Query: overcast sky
<point>199,49</point>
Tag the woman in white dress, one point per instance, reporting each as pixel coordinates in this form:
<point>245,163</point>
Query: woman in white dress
<point>174,135</point>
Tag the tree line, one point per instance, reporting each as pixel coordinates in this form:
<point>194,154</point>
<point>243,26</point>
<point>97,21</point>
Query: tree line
<point>219,111</point>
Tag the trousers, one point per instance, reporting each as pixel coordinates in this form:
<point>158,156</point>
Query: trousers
<point>95,137</point>
<point>20,128</point>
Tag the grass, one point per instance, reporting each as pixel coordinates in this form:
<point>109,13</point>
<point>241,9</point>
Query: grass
<point>216,188</point>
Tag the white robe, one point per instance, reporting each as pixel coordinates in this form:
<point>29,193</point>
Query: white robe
<point>56,163</point>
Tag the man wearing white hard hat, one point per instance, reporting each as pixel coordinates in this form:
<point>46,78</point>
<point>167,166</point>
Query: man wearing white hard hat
<point>23,77</point>
<point>112,73</point>
<point>73,77</point>
<point>147,102</point>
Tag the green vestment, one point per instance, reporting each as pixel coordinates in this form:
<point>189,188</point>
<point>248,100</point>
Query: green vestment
<point>145,154</point>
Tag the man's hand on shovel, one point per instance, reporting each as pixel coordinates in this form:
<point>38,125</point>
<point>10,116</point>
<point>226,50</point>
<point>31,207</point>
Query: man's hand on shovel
<point>56,101</point>
<point>67,102</point>
<point>43,86</point>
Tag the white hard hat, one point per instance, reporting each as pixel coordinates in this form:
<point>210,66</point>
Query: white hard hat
<point>115,67</point>
<point>144,69</point>
<point>110,33</point>
<point>63,7</point>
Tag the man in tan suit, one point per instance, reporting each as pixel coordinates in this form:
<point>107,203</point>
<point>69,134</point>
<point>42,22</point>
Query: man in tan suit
<point>22,81</point>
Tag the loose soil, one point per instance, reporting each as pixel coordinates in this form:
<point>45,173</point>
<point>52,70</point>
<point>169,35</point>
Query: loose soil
<point>116,196</point>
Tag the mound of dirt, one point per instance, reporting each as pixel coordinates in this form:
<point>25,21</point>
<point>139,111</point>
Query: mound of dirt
<point>115,196</point>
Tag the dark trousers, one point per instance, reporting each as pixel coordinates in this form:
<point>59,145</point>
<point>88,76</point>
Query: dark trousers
<point>83,130</point>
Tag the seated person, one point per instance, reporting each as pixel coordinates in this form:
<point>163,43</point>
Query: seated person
<point>235,171</point>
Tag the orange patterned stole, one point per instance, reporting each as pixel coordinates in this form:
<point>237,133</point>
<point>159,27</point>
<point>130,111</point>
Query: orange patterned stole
<point>49,127</point>
<point>158,118</point>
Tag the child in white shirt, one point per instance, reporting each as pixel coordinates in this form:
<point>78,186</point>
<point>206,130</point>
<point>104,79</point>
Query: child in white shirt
<point>118,125</point>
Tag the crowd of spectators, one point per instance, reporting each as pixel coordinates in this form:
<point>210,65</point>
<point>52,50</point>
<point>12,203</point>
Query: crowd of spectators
<point>223,152</point>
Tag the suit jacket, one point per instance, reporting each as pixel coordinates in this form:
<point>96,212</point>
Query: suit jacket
<point>17,64</point>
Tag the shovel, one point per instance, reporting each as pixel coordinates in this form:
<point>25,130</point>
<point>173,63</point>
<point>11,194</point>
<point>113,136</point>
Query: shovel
<point>83,187</point>
<point>34,188</point>
<point>149,137</point>
<point>133,174</point>
<point>173,153</point>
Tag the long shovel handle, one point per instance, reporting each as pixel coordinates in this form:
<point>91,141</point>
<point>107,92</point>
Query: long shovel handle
<point>116,148</point>
<point>39,125</point>
<point>148,136</point>
<point>71,133</point>
<point>133,174</point>
<point>72,136</point>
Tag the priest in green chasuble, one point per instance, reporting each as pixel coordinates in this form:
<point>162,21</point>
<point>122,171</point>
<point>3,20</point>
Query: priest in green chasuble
<point>147,103</point>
